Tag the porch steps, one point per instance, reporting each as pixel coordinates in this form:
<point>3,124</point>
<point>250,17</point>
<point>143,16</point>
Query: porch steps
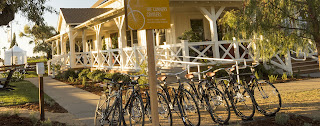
<point>305,67</point>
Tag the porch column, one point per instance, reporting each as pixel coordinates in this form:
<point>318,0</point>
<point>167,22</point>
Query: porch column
<point>98,44</point>
<point>72,47</point>
<point>57,47</point>
<point>84,47</point>
<point>63,45</point>
<point>212,17</point>
<point>52,48</point>
<point>121,41</point>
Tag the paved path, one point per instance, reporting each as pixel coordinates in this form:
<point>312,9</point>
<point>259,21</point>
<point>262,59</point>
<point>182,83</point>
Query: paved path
<point>78,102</point>
<point>82,104</point>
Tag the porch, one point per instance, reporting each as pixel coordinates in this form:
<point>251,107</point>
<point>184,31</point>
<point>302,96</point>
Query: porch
<point>104,43</point>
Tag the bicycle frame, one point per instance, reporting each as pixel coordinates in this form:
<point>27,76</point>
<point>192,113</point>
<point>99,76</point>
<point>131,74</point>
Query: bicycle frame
<point>116,103</point>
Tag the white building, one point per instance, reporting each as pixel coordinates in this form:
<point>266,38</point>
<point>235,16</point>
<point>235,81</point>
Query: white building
<point>15,56</point>
<point>96,37</point>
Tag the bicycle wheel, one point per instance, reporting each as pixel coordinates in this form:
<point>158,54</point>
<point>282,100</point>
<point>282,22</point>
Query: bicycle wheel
<point>218,106</point>
<point>136,111</point>
<point>103,107</point>
<point>165,116</point>
<point>116,118</point>
<point>189,109</point>
<point>242,102</point>
<point>267,98</point>
<point>193,91</point>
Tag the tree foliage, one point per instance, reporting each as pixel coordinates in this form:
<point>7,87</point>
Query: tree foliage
<point>276,26</point>
<point>14,41</point>
<point>38,35</point>
<point>33,10</point>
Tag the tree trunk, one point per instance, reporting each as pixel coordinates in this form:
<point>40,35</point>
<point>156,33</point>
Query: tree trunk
<point>317,42</point>
<point>318,48</point>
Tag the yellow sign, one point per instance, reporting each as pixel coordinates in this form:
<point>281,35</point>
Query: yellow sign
<point>148,14</point>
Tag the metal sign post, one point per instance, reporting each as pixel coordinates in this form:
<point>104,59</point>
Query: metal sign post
<point>40,72</point>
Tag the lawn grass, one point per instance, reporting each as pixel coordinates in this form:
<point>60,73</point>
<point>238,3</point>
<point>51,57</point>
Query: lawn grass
<point>25,92</point>
<point>31,74</point>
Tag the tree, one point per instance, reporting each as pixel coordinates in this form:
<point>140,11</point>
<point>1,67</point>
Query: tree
<point>283,25</point>
<point>13,41</point>
<point>39,34</point>
<point>33,10</point>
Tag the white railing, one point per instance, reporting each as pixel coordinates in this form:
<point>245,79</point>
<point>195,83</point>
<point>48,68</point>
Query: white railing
<point>172,55</point>
<point>58,63</point>
<point>199,51</point>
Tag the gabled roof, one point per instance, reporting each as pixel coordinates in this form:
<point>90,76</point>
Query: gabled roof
<point>99,2</point>
<point>80,15</point>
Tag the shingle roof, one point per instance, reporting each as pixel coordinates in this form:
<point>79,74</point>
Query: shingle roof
<point>80,15</point>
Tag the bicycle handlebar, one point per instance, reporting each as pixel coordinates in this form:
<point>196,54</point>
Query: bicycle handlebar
<point>233,67</point>
<point>174,74</point>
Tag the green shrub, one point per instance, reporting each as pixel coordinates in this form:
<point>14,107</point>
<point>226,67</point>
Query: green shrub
<point>143,70</point>
<point>84,73</point>
<point>284,76</point>
<point>17,76</point>
<point>120,77</point>
<point>263,72</point>
<point>190,36</point>
<point>84,81</point>
<point>92,75</point>
<point>99,77</point>
<point>272,78</point>
<point>282,118</point>
<point>71,80</point>
<point>69,73</point>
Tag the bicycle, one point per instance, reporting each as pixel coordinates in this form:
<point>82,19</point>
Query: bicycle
<point>185,102</point>
<point>163,105</point>
<point>165,116</point>
<point>109,110</point>
<point>240,97</point>
<point>217,104</point>
<point>266,96</point>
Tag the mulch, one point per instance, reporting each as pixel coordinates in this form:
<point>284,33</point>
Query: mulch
<point>56,108</point>
<point>295,120</point>
<point>15,120</point>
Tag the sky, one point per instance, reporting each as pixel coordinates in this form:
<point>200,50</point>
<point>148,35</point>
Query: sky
<point>51,19</point>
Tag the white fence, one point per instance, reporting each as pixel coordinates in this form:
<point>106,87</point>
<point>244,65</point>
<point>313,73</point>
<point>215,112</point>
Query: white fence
<point>130,59</point>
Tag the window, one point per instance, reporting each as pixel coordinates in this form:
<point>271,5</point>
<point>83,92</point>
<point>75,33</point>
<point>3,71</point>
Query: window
<point>197,27</point>
<point>162,36</point>
<point>90,44</point>
<point>132,37</point>
<point>114,40</point>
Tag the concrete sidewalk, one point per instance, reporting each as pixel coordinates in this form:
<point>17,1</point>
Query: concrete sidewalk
<point>78,102</point>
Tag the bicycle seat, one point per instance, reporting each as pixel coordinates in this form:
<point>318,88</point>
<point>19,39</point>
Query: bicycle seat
<point>210,74</point>
<point>162,78</point>
<point>189,76</point>
<point>135,78</point>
